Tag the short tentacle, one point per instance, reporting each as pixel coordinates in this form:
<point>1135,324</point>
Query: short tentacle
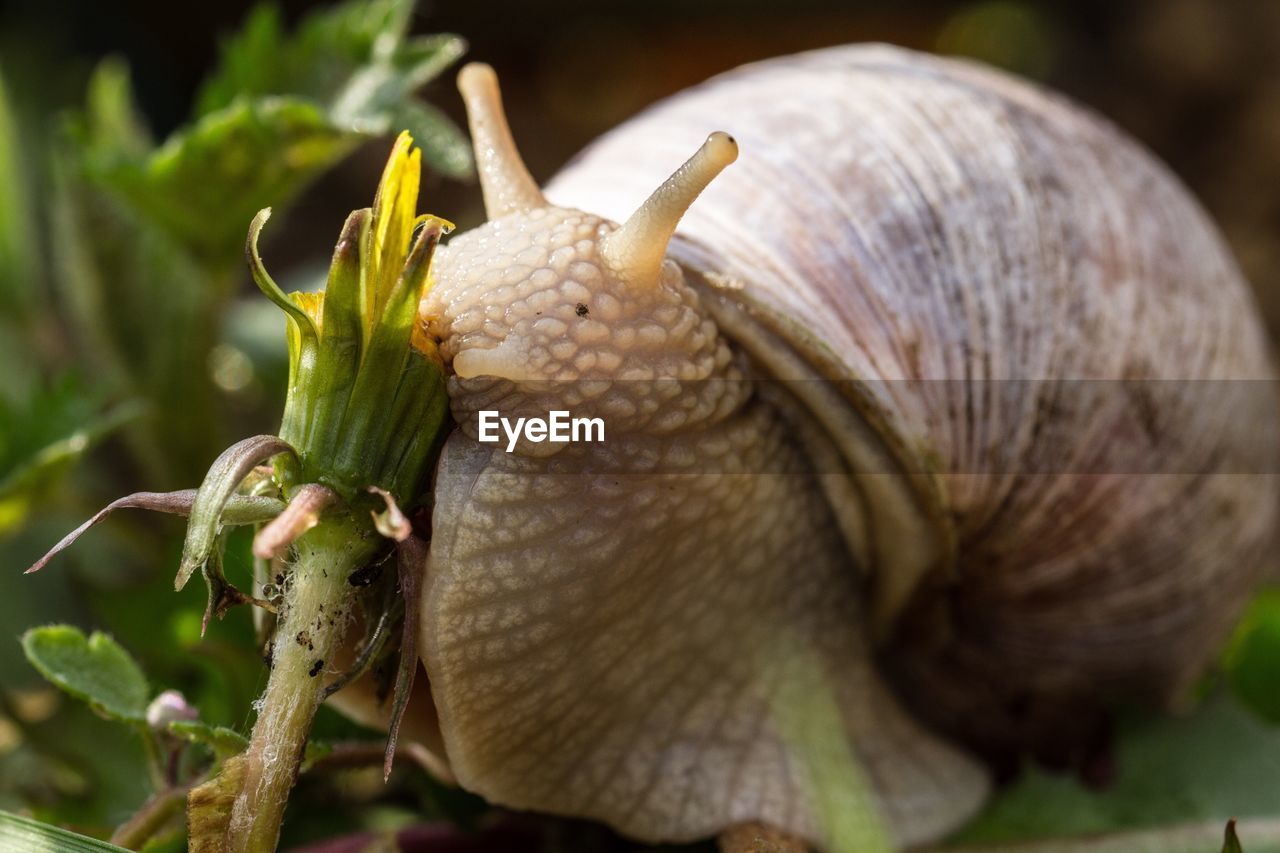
<point>636,250</point>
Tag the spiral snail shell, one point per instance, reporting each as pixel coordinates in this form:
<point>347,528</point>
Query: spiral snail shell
<point>1003,458</point>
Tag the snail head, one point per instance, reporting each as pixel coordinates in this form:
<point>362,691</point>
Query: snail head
<point>543,293</point>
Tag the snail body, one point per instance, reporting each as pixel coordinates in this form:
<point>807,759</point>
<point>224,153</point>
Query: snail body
<point>968,480</point>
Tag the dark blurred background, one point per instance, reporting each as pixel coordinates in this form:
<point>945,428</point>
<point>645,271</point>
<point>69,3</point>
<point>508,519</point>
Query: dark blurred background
<point>1198,81</point>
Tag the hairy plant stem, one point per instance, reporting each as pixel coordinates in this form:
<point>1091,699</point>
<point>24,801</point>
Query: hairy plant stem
<point>316,612</point>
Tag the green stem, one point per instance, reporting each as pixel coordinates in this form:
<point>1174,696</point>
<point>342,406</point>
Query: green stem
<point>155,758</point>
<point>156,816</point>
<point>312,623</point>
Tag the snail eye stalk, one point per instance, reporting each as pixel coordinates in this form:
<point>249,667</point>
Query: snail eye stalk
<point>504,180</point>
<point>635,251</point>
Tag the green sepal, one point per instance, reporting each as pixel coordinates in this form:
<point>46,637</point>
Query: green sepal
<point>388,368</point>
<point>224,476</point>
<point>336,411</point>
<point>418,415</point>
<point>366,399</point>
<point>411,562</point>
<point>338,359</point>
<point>303,334</point>
<point>239,509</point>
<point>267,284</point>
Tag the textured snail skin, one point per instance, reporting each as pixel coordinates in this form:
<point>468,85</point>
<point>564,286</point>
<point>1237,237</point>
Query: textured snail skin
<point>529,298</point>
<point>612,629</point>
<point>609,637</point>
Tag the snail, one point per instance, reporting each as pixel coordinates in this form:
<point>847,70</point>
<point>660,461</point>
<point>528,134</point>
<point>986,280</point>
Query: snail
<point>932,413</point>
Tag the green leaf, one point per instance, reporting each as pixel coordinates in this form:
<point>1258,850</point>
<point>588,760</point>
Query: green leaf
<point>354,62</point>
<point>24,835</point>
<point>95,669</point>
<point>141,309</point>
<point>206,181</point>
<point>289,110</point>
<point>1252,659</point>
<point>17,218</point>
<point>42,437</point>
<point>54,458</point>
<point>444,147</point>
<point>251,60</point>
<point>329,46</point>
<point>424,58</point>
<point>112,128</point>
<point>223,742</point>
<point>378,100</point>
<point>1219,762</point>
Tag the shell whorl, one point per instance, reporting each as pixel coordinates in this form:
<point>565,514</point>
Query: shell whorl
<point>988,266</point>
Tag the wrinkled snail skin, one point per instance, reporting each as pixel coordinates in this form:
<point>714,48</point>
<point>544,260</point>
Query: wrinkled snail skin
<point>620,631</point>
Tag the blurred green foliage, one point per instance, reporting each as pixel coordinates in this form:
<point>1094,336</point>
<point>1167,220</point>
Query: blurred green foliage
<point>148,238</point>
<point>42,434</point>
<point>1253,658</point>
<point>17,255</point>
<point>1219,762</point>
